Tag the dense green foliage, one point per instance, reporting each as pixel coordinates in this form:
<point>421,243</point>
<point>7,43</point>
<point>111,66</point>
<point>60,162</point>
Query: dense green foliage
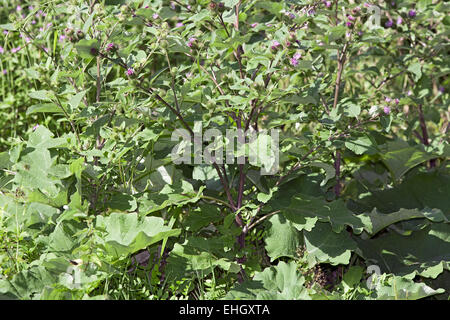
<point>93,205</point>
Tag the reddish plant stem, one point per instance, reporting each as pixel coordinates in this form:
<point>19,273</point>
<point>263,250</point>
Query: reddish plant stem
<point>226,188</point>
<point>241,185</point>
<point>223,25</point>
<point>417,134</point>
<point>255,105</point>
<point>341,61</point>
<point>238,119</point>
<point>423,126</point>
<point>241,168</point>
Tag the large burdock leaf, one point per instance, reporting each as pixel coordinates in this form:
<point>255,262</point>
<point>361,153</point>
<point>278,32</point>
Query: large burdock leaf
<point>325,246</point>
<point>282,282</point>
<point>63,238</point>
<point>197,257</point>
<point>33,216</point>
<point>330,172</point>
<point>43,138</point>
<point>27,284</point>
<point>177,194</point>
<point>37,169</point>
<point>127,234</point>
<point>400,157</point>
<point>400,288</point>
<point>425,189</point>
<point>425,252</point>
<point>379,221</point>
<point>335,212</point>
<point>33,172</point>
<point>202,217</point>
<point>362,145</point>
<point>282,238</point>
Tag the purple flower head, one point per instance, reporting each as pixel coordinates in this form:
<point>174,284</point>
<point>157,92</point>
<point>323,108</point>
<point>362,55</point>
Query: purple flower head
<point>18,8</point>
<point>311,12</point>
<point>179,24</point>
<point>172,5</point>
<point>412,13</point>
<point>2,50</point>
<point>349,24</point>
<point>254,24</point>
<point>387,99</point>
<point>399,20</point>
<point>33,21</point>
<point>61,38</point>
<point>130,72</point>
<point>388,24</point>
<point>5,32</point>
<point>46,49</point>
<point>327,4</point>
<point>275,45</point>
<point>350,17</point>
<point>27,40</point>
<point>155,16</point>
<point>35,127</point>
<point>146,7</point>
<point>5,71</point>
<point>409,93</point>
<point>14,50</point>
<point>392,3</point>
<point>366,4</point>
<point>31,8</point>
<point>110,46</point>
<point>397,101</point>
<point>360,33</point>
<point>293,62</point>
<point>386,110</point>
<point>290,15</point>
<point>191,42</point>
<point>297,56</point>
<point>41,29</point>
<point>441,89</point>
